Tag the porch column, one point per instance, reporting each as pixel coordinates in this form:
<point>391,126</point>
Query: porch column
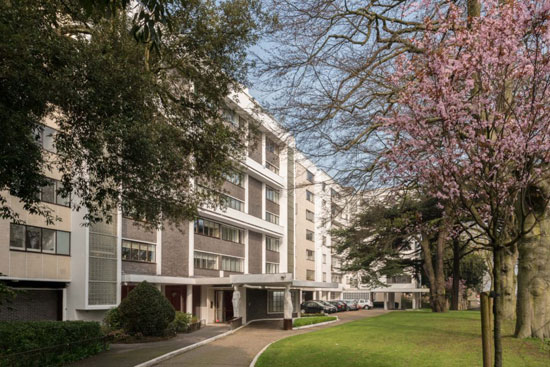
<point>414,306</point>
<point>287,323</point>
<point>385,301</point>
<point>189,299</point>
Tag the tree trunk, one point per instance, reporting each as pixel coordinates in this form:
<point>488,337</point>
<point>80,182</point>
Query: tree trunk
<point>455,293</point>
<point>533,306</point>
<point>507,296</point>
<point>497,304</point>
<point>435,273</point>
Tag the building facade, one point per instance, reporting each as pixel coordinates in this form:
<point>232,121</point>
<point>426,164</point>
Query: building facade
<point>272,243</point>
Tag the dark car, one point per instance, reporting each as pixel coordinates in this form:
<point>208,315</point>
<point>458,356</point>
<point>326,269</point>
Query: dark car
<point>315,307</point>
<point>331,308</point>
<point>339,305</point>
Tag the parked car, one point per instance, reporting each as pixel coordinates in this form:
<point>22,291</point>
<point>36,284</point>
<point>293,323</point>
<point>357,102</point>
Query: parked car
<point>339,305</point>
<point>316,307</point>
<point>365,304</point>
<point>331,307</point>
<point>352,305</point>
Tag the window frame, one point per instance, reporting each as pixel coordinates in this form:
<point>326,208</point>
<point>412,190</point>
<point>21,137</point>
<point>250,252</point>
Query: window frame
<point>310,216</point>
<point>310,255</point>
<point>268,214</point>
<point>308,234</point>
<point>310,176</point>
<point>274,193</point>
<point>41,240</point>
<point>239,260</point>
<point>268,244</point>
<point>310,196</point>
<point>276,265</point>
<point>139,244</point>
<point>217,263</point>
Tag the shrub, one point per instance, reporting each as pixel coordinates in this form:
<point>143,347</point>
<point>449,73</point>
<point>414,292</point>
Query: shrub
<point>112,319</point>
<point>61,342</point>
<point>145,311</point>
<point>181,322</point>
<point>312,320</point>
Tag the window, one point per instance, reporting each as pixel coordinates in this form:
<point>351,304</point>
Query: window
<point>334,193</point>
<point>324,277</point>
<point>271,268</point>
<point>138,251</point>
<point>232,264</point>
<point>36,239</point>
<point>207,227</point>
<point>309,235</point>
<point>275,301</point>
<point>336,278</point>
<point>233,203</point>
<point>203,260</point>
<point>270,217</point>
<point>324,258</point>
<point>212,229</point>
<point>324,186</point>
<point>310,255</point>
<point>272,194</point>
<point>48,193</point>
<point>272,243</point>
<point>232,234</point>
<point>273,168</point>
<point>231,117</point>
<point>235,177</point>
<point>309,196</point>
<point>46,138</point>
<point>310,215</point>
<point>309,175</point>
<point>324,241</point>
<point>271,147</point>
<point>310,274</point>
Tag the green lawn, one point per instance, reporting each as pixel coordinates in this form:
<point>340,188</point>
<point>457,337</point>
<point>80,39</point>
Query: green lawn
<point>311,320</point>
<point>410,339</point>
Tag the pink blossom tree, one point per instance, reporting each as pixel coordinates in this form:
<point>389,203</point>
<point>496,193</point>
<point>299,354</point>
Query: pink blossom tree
<point>470,121</point>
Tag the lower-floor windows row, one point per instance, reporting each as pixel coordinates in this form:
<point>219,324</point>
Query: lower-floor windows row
<point>138,251</point>
<point>37,239</point>
<point>276,301</point>
<point>204,260</point>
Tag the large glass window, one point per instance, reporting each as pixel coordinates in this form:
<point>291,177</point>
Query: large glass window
<point>203,260</point>
<point>36,239</point>
<point>138,251</point>
<point>17,236</point>
<point>207,228</point>
<point>272,243</point>
<point>271,146</point>
<point>275,301</point>
<point>271,268</point>
<point>272,194</point>
<point>49,193</point>
<point>270,217</point>
<point>232,234</point>
<point>232,264</point>
<point>233,203</point>
<point>235,177</point>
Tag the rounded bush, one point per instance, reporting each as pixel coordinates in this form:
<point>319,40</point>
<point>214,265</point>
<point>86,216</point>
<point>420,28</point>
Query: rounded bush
<point>181,322</point>
<point>112,319</point>
<point>145,311</point>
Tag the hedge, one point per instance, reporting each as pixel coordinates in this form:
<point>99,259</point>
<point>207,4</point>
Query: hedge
<point>312,320</point>
<point>48,343</point>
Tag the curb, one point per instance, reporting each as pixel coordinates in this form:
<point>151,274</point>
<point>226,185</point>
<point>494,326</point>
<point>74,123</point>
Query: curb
<point>176,352</point>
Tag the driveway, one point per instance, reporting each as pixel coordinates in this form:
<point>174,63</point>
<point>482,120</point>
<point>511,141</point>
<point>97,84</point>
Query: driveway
<point>240,348</point>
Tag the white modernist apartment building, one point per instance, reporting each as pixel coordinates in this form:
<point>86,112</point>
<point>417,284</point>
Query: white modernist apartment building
<point>272,242</point>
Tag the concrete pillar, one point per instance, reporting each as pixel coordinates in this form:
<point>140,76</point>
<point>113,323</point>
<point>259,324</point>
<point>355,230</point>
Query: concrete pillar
<point>189,299</point>
<point>385,300</point>
<point>414,306</point>
<point>236,302</point>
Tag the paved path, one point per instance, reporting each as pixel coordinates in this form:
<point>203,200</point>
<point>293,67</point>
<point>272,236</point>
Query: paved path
<point>129,355</point>
<point>240,348</point>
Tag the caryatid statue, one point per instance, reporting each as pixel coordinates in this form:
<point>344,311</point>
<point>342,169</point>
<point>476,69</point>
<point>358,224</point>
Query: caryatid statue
<point>236,302</point>
<point>288,308</point>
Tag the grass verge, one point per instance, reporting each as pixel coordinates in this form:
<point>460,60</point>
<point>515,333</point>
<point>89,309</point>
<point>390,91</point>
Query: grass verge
<point>311,320</point>
<point>408,339</point>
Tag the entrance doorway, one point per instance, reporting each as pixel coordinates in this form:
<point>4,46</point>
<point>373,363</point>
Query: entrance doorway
<point>224,306</point>
<point>176,294</point>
